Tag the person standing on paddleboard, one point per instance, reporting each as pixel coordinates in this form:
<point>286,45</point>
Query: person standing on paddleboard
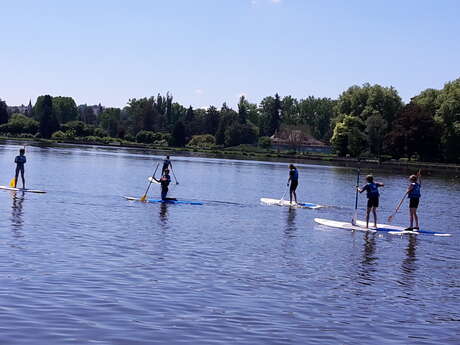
<point>413,193</point>
<point>20,161</point>
<point>373,195</point>
<point>294,179</point>
<point>166,165</point>
<point>164,181</point>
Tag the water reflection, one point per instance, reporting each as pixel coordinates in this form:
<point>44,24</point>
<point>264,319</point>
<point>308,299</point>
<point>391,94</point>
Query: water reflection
<point>408,265</point>
<point>17,212</point>
<point>368,261</point>
<point>290,228</point>
<point>164,213</point>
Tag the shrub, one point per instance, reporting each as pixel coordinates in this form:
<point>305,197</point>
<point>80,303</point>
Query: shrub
<point>146,137</point>
<point>265,142</point>
<point>205,140</point>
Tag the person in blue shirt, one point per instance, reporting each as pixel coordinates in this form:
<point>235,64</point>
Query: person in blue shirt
<point>413,193</point>
<point>20,161</point>
<point>164,181</point>
<point>373,195</point>
<point>294,179</point>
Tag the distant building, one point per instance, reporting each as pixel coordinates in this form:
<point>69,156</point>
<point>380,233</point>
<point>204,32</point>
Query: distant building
<point>90,113</point>
<point>21,109</point>
<point>298,141</point>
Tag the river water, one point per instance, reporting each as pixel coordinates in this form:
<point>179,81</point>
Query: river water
<point>81,265</point>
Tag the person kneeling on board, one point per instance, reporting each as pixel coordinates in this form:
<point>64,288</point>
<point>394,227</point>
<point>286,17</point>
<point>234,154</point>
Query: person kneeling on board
<point>165,180</point>
<point>294,179</point>
<point>20,161</point>
<point>413,193</point>
<point>372,189</point>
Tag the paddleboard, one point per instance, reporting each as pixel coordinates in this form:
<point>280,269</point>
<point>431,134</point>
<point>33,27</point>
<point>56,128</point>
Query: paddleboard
<point>278,202</point>
<point>152,180</point>
<point>390,229</point>
<point>167,201</point>
<point>22,189</point>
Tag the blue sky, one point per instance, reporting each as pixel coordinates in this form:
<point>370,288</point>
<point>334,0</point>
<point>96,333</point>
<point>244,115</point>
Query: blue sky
<point>206,52</point>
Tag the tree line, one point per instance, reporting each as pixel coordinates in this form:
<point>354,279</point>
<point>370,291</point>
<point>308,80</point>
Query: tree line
<point>365,121</point>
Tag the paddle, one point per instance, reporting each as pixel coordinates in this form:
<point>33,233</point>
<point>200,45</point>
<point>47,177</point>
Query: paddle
<point>355,215</point>
<point>177,182</point>
<point>144,197</point>
<point>282,198</point>
<point>12,182</point>
<point>390,218</point>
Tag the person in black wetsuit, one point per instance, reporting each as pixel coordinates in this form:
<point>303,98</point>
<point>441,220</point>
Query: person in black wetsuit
<point>413,193</point>
<point>294,179</point>
<point>373,195</point>
<point>20,161</point>
<point>165,180</point>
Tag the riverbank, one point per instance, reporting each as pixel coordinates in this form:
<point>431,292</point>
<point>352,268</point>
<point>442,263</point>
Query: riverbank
<point>254,153</point>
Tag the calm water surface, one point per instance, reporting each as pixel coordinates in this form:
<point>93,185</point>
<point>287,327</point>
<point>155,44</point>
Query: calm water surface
<point>80,265</point>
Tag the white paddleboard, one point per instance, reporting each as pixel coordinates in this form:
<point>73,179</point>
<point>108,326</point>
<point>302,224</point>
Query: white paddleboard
<point>278,202</point>
<point>343,225</point>
<point>389,229</point>
<point>22,189</point>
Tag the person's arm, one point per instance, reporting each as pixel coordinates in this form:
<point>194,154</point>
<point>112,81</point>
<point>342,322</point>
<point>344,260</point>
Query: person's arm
<point>380,184</point>
<point>409,188</point>
<point>156,179</point>
<point>419,177</point>
<point>362,189</point>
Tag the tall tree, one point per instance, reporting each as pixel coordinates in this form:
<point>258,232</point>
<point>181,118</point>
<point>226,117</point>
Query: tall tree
<point>178,135</point>
<point>3,112</point>
<point>65,109</point>
<point>43,109</point>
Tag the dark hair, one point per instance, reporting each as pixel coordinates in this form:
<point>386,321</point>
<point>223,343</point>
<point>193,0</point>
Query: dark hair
<point>369,178</point>
<point>22,151</point>
<point>413,178</point>
<point>291,166</point>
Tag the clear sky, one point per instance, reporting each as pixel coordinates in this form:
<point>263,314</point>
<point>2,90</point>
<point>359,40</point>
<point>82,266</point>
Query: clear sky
<point>206,52</point>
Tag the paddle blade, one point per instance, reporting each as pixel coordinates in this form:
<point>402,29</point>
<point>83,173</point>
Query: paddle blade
<point>143,198</point>
<point>12,182</point>
<point>390,219</point>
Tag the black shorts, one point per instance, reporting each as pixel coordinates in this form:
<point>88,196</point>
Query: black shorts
<point>413,202</point>
<point>294,185</point>
<point>373,202</point>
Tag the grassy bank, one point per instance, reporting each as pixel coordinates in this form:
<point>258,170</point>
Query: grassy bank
<point>255,153</point>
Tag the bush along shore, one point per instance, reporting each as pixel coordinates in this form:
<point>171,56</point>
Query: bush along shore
<point>253,152</point>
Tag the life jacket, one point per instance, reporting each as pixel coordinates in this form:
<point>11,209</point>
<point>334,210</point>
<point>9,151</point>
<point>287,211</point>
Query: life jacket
<point>372,190</point>
<point>165,180</point>
<point>415,192</point>
<point>20,160</point>
<point>294,175</point>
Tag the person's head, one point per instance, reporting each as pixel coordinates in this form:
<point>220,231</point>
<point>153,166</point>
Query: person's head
<point>370,178</point>
<point>22,152</point>
<point>413,178</point>
<point>291,166</point>
<point>167,157</point>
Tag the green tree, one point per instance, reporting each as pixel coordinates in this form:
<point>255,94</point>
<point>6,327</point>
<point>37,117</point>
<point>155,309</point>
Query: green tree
<point>65,109</point>
<point>78,128</point>
<point>43,110</point>
<point>271,115</point>
<point>375,129</point>
<point>317,114</point>
<point>211,120</point>
<point>3,112</point>
<point>204,140</point>
<point>18,124</point>
<point>237,134</point>
<point>227,117</point>
<point>348,137</point>
<point>414,132</point>
<point>110,120</point>
<point>178,135</point>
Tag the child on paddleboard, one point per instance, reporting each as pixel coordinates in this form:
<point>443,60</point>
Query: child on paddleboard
<point>294,179</point>
<point>20,161</point>
<point>165,180</point>
<point>413,193</point>
<point>373,195</point>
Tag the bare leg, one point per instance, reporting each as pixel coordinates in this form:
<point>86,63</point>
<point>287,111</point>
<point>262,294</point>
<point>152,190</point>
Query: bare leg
<point>290,196</point>
<point>295,196</point>
<point>414,210</point>
<point>367,216</point>
<point>374,211</point>
<point>23,180</point>
<point>411,218</point>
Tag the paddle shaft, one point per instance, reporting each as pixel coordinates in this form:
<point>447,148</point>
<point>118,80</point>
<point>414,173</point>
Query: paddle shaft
<point>355,215</point>
<point>150,182</point>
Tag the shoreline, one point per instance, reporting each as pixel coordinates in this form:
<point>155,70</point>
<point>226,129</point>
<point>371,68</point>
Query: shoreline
<point>453,170</point>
